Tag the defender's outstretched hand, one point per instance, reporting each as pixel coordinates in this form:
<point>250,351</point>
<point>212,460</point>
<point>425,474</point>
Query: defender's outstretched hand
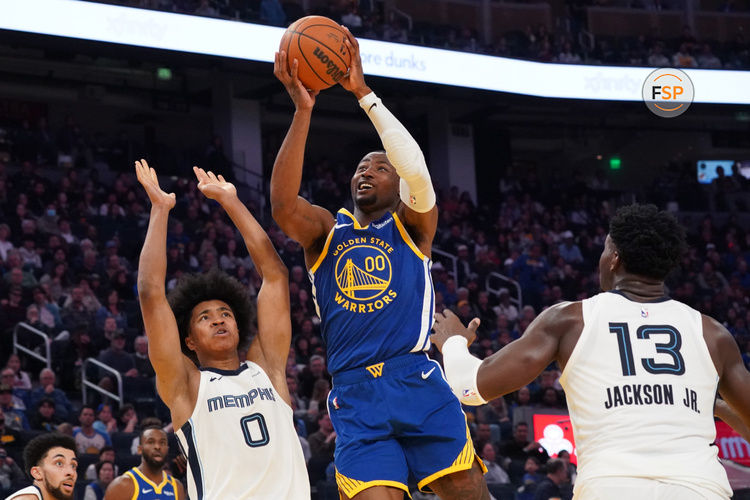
<point>302,98</point>
<point>447,325</point>
<point>147,177</point>
<point>213,187</point>
<point>354,80</point>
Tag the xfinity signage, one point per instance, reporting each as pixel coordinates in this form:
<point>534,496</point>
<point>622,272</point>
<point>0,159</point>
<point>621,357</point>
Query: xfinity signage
<point>225,38</point>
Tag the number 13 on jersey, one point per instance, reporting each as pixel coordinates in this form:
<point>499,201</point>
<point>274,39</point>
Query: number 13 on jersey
<point>645,332</point>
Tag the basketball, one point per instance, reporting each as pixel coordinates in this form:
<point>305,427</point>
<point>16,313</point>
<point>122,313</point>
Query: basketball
<point>318,44</point>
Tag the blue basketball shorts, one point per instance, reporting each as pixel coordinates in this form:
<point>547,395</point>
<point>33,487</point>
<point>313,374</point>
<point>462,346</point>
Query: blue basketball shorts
<point>393,418</point>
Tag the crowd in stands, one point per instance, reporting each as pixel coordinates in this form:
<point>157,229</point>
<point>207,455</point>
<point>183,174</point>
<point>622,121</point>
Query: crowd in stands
<point>72,230</point>
<point>367,19</point>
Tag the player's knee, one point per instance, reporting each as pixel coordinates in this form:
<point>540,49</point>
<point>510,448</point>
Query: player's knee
<point>463,485</point>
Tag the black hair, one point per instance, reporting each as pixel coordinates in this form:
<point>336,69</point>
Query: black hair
<point>149,427</point>
<point>38,448</point>
<point>554,465</point>
<point>105,449</point>
<point>213,285</point>
<point>650,241</point>
<point>85,407</point>
<point>100,464</point>
<point>124,409</point>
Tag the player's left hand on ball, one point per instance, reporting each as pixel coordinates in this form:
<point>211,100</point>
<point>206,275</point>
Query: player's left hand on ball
<point>447,324</point>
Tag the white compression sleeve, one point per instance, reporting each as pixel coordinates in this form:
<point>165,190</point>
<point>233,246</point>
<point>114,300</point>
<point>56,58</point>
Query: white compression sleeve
<point>461,371</point>
<point>404,154</point>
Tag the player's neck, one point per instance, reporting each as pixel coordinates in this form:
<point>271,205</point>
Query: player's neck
<point>364,218</point>
<point>220,363</point>
<point>639,288</point>
<point>153,475</point>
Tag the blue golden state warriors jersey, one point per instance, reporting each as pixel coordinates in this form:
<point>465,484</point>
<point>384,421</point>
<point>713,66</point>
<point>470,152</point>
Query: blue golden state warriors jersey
<point>145,489</point>
<point>373,291</point>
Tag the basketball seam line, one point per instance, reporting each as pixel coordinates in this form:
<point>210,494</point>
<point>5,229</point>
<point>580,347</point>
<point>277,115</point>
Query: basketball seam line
<point>317,41</point>
<point>301,34</point>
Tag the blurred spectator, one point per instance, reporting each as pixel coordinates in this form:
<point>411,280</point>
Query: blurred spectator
<point>569,251</point>
<point>20,378</point>
<point>116,357</point>
<point>683,58</point>
<point>572,471</point>
<point>12,309</point>
<point>10,472</point>
<point>707,59</point>
<point>315,371</point>
<point>105,473</point>
<point>530,480</point>
<point>88,439</point>
<point>74,311</point>
<point>19,396</point>
<point>549,487</point>
<point>127,420</point>
<point>112,309</point>
<point>351,19</point>
<point>49,312</point>
<point>44,418</point>
<point>271,12</point>
<point>495,474</point>
<point>519,447</point>
<point>322,444</point>
<point>106,454</point>
<point>105,421</point>
<point>15,418</point>
<point>505,308</point>
<point>47,389</point>
<point>9,436</point>
<point>142,363</point>
<point>530,269</point>
<point>5,243</point>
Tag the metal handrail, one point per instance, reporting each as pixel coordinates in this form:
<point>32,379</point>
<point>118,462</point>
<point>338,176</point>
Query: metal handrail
<point>18,347</point>
<point>449,256</point>
<point>86,383</point>
<point>406,16</point>
<point>517,299</point>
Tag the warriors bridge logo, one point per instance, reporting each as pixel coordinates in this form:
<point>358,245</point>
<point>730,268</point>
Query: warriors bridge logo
<point>363,274</point>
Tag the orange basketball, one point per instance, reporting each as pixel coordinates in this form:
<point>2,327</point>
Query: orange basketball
<point>318,44</point>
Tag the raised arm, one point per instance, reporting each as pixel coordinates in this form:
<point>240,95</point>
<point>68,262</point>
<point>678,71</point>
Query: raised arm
<point>305,223</point>
<point>474,382</point>
<point>271,347</point>
<point>172,371</point>
<point>418,210</point>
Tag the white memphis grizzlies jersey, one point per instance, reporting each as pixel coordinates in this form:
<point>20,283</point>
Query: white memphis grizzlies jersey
<point>240,441</point>
<point>641,386</point>
<point>29,490</point>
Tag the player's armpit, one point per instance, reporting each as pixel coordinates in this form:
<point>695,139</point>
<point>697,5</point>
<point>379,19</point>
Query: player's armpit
<point>305,223</point>
<point>521,361</point>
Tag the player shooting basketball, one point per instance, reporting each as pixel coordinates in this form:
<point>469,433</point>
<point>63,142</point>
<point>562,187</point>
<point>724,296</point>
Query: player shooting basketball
<point>234,419</point>
<point>371,275</point>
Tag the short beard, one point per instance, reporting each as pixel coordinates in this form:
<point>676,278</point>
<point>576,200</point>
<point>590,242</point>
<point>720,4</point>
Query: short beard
<point>56,492</point>
<point>152,464</point>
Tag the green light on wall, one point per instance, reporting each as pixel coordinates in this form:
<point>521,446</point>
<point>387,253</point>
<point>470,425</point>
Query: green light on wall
<point>164,74</point>
<point>615,163</point>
